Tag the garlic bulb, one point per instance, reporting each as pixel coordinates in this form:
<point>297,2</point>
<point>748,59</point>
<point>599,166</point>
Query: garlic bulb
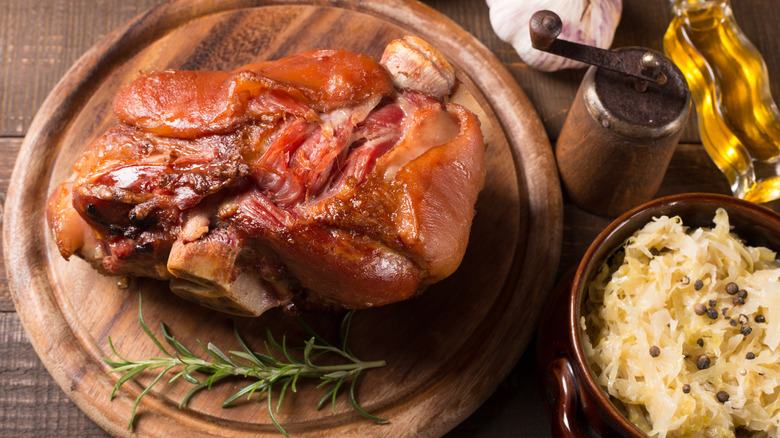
<point>591,22</point>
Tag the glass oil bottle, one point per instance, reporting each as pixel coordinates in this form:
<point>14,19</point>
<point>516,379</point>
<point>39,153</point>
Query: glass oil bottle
<point>738,120</point>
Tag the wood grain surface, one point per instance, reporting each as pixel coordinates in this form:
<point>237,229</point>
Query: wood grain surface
<point>41,39</point>
<point>476,324</point>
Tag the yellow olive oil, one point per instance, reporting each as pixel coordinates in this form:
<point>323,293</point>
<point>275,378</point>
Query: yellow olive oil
<point>739,123</point>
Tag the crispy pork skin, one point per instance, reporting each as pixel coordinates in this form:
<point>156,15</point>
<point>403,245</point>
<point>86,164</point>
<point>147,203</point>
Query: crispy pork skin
<point>324,180</point>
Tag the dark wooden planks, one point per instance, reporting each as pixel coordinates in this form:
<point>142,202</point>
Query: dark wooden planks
<point>25,384</point>
<point>31,404</point>
<point>41,39</point>
<point>68,311</point>
<point>8,150</point>
<point>643,23</point>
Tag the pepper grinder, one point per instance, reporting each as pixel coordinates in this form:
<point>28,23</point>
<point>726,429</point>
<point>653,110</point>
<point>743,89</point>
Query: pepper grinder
<point>622,128</point>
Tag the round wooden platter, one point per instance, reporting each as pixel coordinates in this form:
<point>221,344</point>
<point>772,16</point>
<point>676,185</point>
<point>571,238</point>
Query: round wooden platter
<point>446,351</point>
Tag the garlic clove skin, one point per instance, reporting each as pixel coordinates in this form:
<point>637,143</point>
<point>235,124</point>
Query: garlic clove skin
<point>591,22</point>
<point>414,63</point>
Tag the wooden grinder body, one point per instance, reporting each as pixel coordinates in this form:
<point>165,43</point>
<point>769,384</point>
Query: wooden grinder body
<point>617,141</point>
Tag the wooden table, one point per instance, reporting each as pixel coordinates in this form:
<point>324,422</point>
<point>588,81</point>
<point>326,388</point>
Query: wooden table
<point>40,39</point>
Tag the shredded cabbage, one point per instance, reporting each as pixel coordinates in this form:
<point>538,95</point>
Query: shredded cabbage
<point>649,295</point>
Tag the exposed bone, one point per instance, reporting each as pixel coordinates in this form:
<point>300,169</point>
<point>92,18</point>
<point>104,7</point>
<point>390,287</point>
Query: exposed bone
<point>249,295</point>
<point>206,273</point>
<point>461,96</point>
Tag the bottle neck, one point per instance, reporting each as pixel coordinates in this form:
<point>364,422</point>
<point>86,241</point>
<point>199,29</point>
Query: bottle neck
<point>690,4</point>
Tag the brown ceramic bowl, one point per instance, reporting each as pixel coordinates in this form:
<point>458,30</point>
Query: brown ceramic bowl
<point>576,403</point>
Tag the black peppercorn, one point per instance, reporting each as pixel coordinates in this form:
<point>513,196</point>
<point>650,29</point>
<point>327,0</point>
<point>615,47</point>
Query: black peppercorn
<point>750,355</point>
<point>733,323</point>
<point>700,309</point>
<point>698,284</point>
<point>737,301</point>
<point>712,313</point>
<point>655,351</point>
<point>745,330</point>
<point>713,303</point>
<point>703,362</point>
<point>654,251</point>
<point>700,342</point>
<point>732,288</point>
<point>723,396</point>
<point>760,318</point>
<point>686,388</point>
<point>742,293</point>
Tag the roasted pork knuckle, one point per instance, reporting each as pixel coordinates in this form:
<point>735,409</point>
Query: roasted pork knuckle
<point>324,180</point>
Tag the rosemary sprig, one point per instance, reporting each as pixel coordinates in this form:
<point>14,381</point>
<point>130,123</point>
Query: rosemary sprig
<point>265,370</point>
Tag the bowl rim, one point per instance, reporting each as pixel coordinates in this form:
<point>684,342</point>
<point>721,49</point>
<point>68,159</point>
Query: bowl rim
<point>587,262</point>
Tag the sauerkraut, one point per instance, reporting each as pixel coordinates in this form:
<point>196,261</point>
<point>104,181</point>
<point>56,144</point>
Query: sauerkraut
<point>681,328</point>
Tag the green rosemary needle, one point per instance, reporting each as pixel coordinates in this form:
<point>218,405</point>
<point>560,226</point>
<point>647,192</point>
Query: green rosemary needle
<point>265,370</point>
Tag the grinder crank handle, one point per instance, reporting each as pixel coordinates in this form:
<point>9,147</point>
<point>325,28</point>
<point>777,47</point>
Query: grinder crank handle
<point>545,26</point>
